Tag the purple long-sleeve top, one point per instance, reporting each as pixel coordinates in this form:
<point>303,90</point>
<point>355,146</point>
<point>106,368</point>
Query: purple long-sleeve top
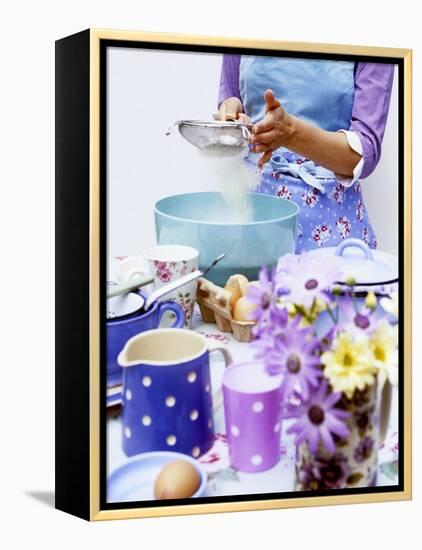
<point>373,84</point>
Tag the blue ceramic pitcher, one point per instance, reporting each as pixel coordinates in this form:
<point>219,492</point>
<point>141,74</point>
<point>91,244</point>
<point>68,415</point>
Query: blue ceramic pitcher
<point>168,403</point>
<point>121,329</point>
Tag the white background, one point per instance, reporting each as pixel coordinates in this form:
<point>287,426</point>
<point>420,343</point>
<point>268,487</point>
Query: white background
<point>148,90</point>
<point>27,228</point>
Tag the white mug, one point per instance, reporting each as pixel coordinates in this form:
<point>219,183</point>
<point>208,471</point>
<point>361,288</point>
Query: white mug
<point>167,263</point>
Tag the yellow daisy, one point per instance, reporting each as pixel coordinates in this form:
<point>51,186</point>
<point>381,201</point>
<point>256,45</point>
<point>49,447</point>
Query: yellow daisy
<point>349,365</point>
<point>384,345</point>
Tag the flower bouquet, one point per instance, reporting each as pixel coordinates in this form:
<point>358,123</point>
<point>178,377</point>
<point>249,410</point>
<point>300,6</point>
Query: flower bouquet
<point>338,356</point>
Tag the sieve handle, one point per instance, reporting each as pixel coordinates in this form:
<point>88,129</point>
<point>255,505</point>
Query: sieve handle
<point>172,126</point>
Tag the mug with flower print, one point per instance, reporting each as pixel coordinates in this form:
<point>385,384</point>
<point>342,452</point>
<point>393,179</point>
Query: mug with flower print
<point>170,262</point>
<point>353,461</point>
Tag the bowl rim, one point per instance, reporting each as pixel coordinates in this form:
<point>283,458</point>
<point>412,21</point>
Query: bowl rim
<point>243,224</point>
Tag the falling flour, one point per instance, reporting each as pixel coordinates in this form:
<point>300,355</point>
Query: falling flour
<point>234,178</point>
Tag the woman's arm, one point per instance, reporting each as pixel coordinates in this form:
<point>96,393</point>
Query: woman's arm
<point>280,129</point>
<point>229,103</point>
<point>332,149</point>
<point>229,78</point>
<point>373,85</point>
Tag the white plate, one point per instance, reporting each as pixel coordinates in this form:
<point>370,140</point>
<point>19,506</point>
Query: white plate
<point>134,481</point>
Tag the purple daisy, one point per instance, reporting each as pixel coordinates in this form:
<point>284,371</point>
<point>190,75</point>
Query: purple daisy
<point>352,318</point>
<point>264,343</point>
<point>292,353</point>
<point>286,264</point>
<point>273,326</point>
<point>307,277</point>
<point>318,420</point>
<point>263,295</point>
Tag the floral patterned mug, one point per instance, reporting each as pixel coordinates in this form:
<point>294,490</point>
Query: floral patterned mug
<point>167,263</point>
<point>355,460</point>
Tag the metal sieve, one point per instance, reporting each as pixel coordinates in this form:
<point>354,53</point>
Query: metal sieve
<point>224,137</point>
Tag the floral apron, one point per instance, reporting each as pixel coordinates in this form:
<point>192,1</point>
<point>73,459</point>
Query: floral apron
<point>321,93</point>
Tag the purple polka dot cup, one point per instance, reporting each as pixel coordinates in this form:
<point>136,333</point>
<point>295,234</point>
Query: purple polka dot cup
<point>252,407</point>
<point>168,403</point>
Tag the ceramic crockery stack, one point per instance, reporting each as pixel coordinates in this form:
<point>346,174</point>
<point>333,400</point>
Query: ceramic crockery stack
<point>167,263</point>
<point>167,399</point>
<point>252,406</point>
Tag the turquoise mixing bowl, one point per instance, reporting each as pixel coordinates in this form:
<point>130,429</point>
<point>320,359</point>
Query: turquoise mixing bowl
<point>203,220</point>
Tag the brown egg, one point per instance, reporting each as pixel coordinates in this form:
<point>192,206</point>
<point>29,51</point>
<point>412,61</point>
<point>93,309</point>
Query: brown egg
<point>178,479</point>
<point>241,281</point>
<point>235,292</point>
<point>242,309</point>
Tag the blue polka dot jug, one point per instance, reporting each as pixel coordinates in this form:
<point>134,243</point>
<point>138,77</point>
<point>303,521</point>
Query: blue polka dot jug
<point>167,395</point>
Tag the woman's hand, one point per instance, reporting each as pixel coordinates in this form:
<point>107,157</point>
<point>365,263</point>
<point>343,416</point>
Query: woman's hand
<point>273,131</point>
<point>280,129</point>
<point>232,109</point>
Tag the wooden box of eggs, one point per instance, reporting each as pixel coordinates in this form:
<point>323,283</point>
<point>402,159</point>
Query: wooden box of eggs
<point>228,307</point>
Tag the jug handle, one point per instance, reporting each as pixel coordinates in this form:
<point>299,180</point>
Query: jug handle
<point>174,308</point>
<point>217,397</point>
<point>385,408</point>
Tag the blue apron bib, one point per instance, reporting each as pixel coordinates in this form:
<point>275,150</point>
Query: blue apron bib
<point>322,94</point>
